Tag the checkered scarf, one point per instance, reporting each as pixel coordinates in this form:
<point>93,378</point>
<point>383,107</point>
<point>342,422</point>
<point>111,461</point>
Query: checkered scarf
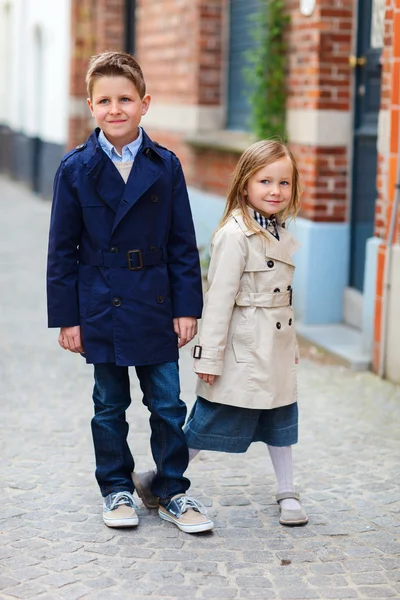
<point>271,224</point>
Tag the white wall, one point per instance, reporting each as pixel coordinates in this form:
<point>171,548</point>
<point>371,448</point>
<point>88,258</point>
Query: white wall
<point>34,67</point>
<point>393,330</point>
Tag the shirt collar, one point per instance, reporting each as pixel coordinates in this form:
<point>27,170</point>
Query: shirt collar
<point>270,224</point>
<point>128,152</point>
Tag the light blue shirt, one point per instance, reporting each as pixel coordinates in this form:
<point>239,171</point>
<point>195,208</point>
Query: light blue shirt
<point>128,152</point>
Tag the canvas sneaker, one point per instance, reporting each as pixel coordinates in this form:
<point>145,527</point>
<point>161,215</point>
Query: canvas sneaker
<point>187,513</point>
<point>142,482</point>
<point>119,510</point>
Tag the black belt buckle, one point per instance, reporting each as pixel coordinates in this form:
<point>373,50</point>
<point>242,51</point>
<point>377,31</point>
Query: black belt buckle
<point>129,257</point>
<point>291,297</point>
<point>197,350</point>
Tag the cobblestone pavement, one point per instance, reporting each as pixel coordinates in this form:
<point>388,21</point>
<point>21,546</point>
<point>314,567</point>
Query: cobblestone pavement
<point>53,544</point>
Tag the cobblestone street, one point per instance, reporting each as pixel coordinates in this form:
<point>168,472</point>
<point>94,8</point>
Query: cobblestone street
<point>53,543</point>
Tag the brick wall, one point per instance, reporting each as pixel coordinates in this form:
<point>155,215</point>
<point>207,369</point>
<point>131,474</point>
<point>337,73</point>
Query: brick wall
<point>179,49</point>
<point>179,44</point>
<point>92,30</point>
<point>190,69</point>
<point>319,48</point>
<point>319,78</point>
<point>381,213</point>
<point>388,163</point>
<point>324,173</point>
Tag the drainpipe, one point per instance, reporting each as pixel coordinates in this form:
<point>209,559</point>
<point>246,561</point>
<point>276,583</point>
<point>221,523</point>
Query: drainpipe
<point>387,276</point>
<point>130,10</point>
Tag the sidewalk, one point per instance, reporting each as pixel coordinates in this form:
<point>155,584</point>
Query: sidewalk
<point>53,544</point>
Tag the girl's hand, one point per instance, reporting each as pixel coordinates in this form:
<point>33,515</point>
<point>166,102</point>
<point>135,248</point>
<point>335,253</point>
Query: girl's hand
<point>207,378</point>
<point>185,328</point>
<point>70,338</point>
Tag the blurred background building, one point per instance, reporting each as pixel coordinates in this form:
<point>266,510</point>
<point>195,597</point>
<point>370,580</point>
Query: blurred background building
<point>342,75</point>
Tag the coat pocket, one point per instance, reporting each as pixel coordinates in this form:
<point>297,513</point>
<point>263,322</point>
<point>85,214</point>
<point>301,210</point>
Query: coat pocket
<point>242,338</point>
<point>94,292</point>
<point>85,283</point>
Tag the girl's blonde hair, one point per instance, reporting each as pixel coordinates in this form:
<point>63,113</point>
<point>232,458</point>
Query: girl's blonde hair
<point>253,159</point>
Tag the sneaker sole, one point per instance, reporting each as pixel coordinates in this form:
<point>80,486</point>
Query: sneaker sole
<point>142,495</point>
<point>293,523</point>
<point>121,522</point>
<point>187,528</point>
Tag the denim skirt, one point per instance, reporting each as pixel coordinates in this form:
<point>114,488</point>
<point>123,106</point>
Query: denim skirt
<point>224,428</point>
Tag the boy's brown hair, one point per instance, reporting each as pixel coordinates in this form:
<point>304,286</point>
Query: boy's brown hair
<point>114,64</point>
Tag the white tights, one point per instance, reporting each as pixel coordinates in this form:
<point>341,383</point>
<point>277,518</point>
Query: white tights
<point>281,457</point>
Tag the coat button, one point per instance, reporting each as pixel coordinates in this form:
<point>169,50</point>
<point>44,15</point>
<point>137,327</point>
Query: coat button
<point>114,250</point>
<point>160,299</point>
<point>270,264</point>
<point>277,290</point>
<point>278,325</point>
<point>116,302</point>
<point>289,287</point>
<point>290,321</point>
<point>154,198</point>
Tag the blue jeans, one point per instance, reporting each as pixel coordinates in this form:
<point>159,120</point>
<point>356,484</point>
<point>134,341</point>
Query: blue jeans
<point>111,397</point>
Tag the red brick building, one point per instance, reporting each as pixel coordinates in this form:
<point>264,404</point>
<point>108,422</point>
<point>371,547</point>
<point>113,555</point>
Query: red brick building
<point>343,71</point>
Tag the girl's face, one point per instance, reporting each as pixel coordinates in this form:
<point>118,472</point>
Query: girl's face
<point>269,189</point>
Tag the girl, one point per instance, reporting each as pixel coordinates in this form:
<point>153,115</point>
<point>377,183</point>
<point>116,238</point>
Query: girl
<point>247,350</point>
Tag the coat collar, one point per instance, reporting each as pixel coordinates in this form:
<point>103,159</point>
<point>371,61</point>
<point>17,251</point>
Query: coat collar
<point>121,197</point>
<point>93,153</point>
<point>282,249</point>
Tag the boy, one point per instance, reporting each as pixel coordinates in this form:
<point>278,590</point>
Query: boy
<point>124,286</point>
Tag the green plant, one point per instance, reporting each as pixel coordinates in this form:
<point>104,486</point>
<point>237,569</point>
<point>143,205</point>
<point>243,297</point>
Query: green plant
<point>265,70</point>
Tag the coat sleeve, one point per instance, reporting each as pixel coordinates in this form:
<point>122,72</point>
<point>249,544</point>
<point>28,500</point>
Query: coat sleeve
<point>183,254</point>
<point>63,254</point>
<point>228,259</point>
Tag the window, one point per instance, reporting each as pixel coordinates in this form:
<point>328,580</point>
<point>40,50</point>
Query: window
<point>241,40</point>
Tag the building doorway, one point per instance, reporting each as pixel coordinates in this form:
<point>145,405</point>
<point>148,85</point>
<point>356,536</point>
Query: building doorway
<point>366,110</point>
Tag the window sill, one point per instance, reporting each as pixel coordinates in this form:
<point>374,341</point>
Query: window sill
<point>234,142</point>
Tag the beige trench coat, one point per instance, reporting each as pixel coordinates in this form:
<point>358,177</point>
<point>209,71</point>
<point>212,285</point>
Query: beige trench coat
<point>247,335</point>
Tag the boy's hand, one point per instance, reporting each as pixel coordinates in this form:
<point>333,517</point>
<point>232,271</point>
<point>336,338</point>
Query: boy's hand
<point>70,338</point>
<point>206,377</point>
<point>185,328</point>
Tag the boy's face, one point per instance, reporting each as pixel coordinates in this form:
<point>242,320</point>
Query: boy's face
<point>118,109</point>
<point>269,190</point>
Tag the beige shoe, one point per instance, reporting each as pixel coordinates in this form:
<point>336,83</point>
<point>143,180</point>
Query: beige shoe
<point>187,513</point>
<point>142,482</point>
<point>119,510</point>
<point>288,516</point>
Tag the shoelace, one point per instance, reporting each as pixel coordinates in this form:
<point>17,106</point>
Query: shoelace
<point>122,498</point>
<point>188,502</point>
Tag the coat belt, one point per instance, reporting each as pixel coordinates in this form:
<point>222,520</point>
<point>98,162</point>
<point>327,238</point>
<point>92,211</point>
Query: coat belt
<point>134,259</point>
<point>261,300</point>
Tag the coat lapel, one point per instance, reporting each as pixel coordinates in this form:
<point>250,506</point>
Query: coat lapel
<point>282,249</point>
<point>110,186</point>
<point>143,175</point>
<point>107,181</point>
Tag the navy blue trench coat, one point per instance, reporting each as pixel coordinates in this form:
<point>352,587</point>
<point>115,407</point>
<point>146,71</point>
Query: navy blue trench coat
<point>123,259</point>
